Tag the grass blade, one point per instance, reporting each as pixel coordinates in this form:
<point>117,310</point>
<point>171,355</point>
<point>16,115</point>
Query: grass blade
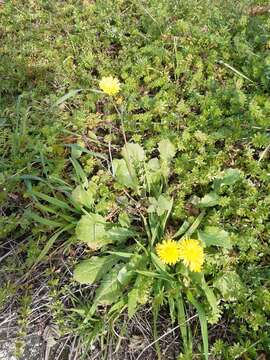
<point>67,96</point>
<point>46,222</point>
<point>194,226</point>
<point>52,200</point>
<point>48,209</point>
<point>203,322</point>
<point>183,228</point>
<point>50,243</point>
<point>235,71</point>
<point>182,321</point>
<point>82,178</point>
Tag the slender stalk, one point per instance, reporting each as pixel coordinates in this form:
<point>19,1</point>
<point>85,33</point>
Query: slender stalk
<point>120,114</point>
<point>128,162</point>
<point>110,153</point>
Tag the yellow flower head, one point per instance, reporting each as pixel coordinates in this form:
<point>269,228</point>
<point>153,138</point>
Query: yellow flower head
<point>191,252</point>
<point>109,85</point>
<point>168,251</point>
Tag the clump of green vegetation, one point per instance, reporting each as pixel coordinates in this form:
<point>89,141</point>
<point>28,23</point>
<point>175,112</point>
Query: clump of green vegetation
<point>76,163</point>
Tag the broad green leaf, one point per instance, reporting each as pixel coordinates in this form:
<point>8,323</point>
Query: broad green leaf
<point>230,285</point>
<point>133,153</point>
<point>166,150</point>
<point>132,302</point>
<point>82,149</point>
<point>124,219</point>
<point>119,234</point>
<point>229,177</point>
<point>209,200</point>
<point>109,289</point>
<point>89,271</point>
<point>153,171</point>
<point>91,229</point>
<point>153,205</point>
<point>213,235</point>
<point>107,293</point>
<point>153,165</point>
<point>125,275</point>
<point>164,204</point>
<point>136,261</point>
<point>127,272</point>
<point>76,152</point>
<point>165,169</point>
<point>123,175</point>
<point>161,205</point>
<point>85,197</point>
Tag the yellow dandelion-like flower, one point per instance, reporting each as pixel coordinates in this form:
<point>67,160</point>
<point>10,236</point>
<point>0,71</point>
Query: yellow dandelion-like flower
<point>191,252</point>
<point>109,85</point>
<point>168,251</point>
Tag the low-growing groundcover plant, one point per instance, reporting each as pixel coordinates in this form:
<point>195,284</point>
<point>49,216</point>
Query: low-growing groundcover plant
<point>138,259</point>
<point>131,273</point>
<point>193,76</point>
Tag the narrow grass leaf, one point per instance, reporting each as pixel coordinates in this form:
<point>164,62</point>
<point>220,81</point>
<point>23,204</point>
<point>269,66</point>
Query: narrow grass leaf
<point>121,254</point>
<point>50,243</point>
<point>203,322</point>
<point>183,228</point>
<point>67,96</point>
<point>41,220</point>
<point>194,226</point>
<point>52,200</point>
<point>181,314</point>
<point>151,274</point>
<point>82,178</point>
<point>236,71</point>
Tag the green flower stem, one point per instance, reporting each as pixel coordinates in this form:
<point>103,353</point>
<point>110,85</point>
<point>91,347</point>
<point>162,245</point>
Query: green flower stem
<point>120,114</point>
